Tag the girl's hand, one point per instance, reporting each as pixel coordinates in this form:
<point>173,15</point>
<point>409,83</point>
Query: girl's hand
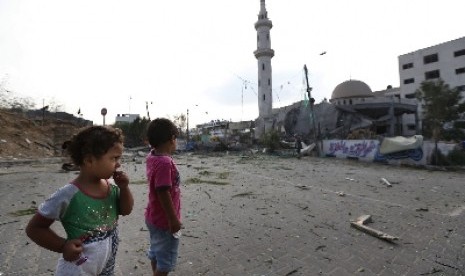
<point>121,179</point>
<point>72,250</point>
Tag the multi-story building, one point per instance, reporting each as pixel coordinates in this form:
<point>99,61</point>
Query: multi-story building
<point>445,61</point>
<point>126,118</point>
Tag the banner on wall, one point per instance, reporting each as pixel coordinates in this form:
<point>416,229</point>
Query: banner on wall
<point>401,148</point>
<point>400,143</point>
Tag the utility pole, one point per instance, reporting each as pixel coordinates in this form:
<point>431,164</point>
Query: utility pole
<point>312,101</point>
<point>147,109</point>
<point>187,124</point>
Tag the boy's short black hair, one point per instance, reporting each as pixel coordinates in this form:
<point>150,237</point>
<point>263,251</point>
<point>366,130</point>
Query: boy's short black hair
<point>161,130</point>
<point>94,141</point>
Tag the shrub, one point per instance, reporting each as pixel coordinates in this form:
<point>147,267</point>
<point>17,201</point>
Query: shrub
<point>271,140</point>
<point>456,157</point>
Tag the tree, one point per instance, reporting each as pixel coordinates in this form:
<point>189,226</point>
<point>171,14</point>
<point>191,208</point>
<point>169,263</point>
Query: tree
<point>441,105</point>
<point>134,133</point>
<point>180,121</point>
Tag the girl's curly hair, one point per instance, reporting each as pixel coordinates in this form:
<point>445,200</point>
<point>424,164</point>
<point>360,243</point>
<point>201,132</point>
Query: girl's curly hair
<point>93,141</point>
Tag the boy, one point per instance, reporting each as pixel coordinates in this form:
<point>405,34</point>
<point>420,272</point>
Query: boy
<point>162,215</point>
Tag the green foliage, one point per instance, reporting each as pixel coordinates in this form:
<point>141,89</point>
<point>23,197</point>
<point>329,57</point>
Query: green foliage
<point>271,140</point>
<point>459,124</point>
<point>441,104</point>
<point>454,134</point>
<point>456,157</point>
<point>134,133</point>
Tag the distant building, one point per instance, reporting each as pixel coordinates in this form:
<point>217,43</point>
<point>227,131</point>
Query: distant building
<point>126,118</point>
<point>353,106</point>
<point>445,61</point>
<point>381,111</point>
<point>216,128</point>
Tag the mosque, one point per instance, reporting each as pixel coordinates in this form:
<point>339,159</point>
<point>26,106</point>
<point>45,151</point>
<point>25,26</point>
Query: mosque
<point>353,105</point>
<point>354,111</point>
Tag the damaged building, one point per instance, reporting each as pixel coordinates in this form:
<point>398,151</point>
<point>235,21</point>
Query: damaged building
<point>353,106</point>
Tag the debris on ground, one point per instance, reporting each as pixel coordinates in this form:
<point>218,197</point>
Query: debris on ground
<point>384,181</point>
<point>360,225</point>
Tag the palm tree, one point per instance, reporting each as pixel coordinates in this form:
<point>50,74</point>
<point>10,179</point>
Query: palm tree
<point>440,104</point>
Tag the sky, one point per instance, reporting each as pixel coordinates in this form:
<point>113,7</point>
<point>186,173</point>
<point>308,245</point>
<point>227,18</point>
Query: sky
<point>173,56</point>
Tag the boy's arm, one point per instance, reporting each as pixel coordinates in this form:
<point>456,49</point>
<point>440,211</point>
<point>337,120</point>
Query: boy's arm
<point>164,196</point>
<point>38,230</point>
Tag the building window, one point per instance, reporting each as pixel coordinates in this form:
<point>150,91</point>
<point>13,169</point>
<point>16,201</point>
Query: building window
<point>407,81</point>
<point>344,101</point>
<point>269,82</point>
<point>410,127</point>
<point>350,101</point>
<point>268,37</point>
<point>460,70</point>
<point>263,97</point>
<point>460,88</point>
<point>430,58</point>
<point>432,75</point>
<point>407,65</point>
<point>410,96</point>
<point>259,83</point>
<point>459,53</point>
<point>263,66</point>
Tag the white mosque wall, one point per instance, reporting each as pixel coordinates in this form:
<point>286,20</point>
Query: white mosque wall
<point>364,150</point>
<point>368,151</point>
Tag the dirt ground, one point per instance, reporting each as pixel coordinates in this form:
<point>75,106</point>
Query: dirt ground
<point>22,137</point>
<point>267,215</point>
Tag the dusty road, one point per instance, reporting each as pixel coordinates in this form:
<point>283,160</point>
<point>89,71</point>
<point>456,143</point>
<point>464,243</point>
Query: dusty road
<point>266,215</point>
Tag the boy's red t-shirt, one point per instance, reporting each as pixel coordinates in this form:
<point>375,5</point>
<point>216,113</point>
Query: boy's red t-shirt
<point>162,172</point>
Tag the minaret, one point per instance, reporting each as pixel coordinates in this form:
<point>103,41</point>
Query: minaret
<point>264,53</point>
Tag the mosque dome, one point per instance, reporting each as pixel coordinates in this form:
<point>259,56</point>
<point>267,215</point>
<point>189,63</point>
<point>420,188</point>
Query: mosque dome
<point>352,89</point>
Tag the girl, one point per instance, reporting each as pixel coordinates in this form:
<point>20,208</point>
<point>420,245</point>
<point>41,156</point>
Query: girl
<point>88,207</point>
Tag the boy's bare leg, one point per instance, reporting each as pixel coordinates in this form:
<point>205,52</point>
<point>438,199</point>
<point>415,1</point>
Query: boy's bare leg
<point>155,272</point>
<point>154,267</point>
